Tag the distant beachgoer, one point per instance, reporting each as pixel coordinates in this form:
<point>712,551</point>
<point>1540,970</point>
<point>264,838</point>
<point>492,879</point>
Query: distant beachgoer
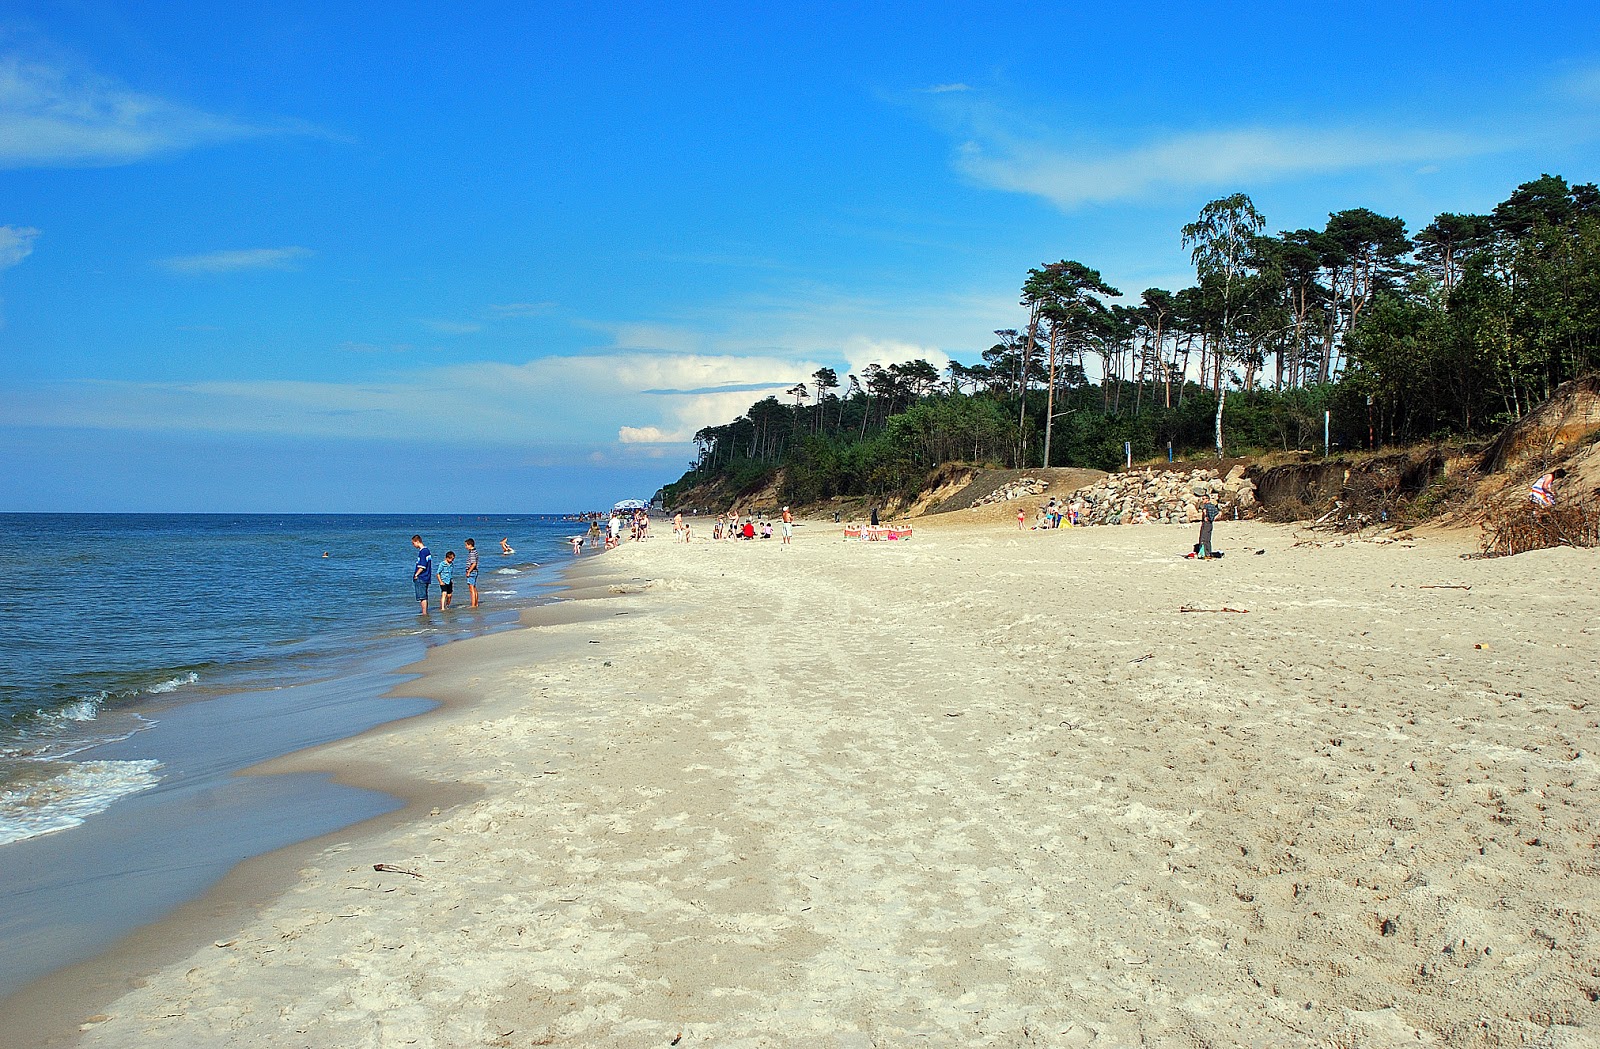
<point>1022,518</point>
<point>447,587</point>
<point>874,517</point>
<point>472,572</point>
<point>1208,515</point>
<point>577,544</point>
<point>594,532</point>
<point>749,530</point>
<point>424,572</point>
<point>1543,492</point>
<point>788,526</point>
<point>505,546</point>
<point>615,528</point>
<point>677,527</point>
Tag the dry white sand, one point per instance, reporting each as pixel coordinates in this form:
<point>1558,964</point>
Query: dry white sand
<point>982,788</point>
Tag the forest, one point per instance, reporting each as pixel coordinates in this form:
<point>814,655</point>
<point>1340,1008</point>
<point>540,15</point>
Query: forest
<point>1449,332</point>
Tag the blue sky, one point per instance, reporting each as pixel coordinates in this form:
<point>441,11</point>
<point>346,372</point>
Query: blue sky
<point>385,257</point>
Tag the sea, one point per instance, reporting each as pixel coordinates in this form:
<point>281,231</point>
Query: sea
<point>146,659</point>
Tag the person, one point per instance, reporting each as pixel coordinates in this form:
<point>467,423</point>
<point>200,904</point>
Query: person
<point>874,517</point>
<point>594,532</point>
<point>677,526</point>
<point>614,530</point>
<point>1208,514</point>
<point>505,546</point>
<point>1022,518</point>
<point>472,572</point>
<point>788,526</point>
<point>749,530</point>
<point>1543,492</point>
<point>424,572</point>
<point>577,544</point>
<point>766,529</point>
<point>447,587</point>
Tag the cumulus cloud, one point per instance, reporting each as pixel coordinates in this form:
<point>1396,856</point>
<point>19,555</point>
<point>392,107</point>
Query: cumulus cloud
<point>234,261</point>
<point>1070,177</point>
<point>51,116</point>
<point>642,435</point>
<point>16,244</point>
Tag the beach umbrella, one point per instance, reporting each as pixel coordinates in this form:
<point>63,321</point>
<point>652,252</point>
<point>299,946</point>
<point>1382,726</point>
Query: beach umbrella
<point>632,504</point>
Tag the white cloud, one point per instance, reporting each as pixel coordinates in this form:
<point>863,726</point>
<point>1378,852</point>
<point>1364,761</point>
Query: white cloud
<point>582,400</point>
<point>16,244</point>
<point>861,351</point>
<point>945,89</point>
<point>233,261</point>
<point>1072,177</point>
<point>56,117</point>
<point>642,435</point>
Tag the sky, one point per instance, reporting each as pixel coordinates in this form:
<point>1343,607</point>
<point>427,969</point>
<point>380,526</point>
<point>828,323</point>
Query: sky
<point>339,257</point>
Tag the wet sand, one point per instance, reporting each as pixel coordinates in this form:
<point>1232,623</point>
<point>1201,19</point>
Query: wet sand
<point>984,787</point>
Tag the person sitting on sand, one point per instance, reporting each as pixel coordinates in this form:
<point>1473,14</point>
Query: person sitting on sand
<point>749,530</point>
<point>1543,492</point>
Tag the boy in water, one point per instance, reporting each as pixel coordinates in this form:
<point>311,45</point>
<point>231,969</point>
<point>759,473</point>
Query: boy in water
<point>446,573</point>
<point>424,573</point>
<point>472,572</point>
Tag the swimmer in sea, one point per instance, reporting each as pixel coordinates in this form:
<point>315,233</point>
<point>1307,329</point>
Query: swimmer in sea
<point>505,546</point>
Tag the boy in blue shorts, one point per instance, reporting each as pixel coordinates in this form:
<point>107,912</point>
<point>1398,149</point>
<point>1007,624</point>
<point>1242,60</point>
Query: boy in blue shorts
<point>446,573</point>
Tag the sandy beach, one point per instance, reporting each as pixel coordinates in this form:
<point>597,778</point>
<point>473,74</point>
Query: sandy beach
<point>985,787</point>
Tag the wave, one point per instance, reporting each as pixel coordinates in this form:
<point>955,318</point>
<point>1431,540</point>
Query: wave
<point>173,685</point>
<point>508,571</point>
<point>67,798</point>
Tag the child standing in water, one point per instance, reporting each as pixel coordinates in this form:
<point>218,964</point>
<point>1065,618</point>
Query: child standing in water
<point>472,572</point>
<point>446,573</point>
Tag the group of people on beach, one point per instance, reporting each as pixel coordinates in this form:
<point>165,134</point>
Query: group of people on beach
<point>422,577</point>
<point>729,526</point>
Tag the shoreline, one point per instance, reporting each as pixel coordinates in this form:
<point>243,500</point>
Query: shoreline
<point>49,1010</point>
<point>985,786</point>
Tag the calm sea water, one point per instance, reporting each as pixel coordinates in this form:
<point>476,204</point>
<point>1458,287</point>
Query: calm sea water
<point>106,620</point>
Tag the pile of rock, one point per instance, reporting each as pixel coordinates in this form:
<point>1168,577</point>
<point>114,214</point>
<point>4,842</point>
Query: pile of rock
<point>1021,488</point>
<point>1162,496</point>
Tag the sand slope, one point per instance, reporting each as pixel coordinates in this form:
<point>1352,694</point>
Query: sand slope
<point>982,788</point>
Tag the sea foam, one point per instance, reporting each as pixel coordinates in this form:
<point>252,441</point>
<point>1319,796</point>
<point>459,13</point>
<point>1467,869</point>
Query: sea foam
<point>70,797</point>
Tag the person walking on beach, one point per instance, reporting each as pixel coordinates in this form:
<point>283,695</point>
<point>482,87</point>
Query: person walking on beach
<point>447,588</point>
<point>788,526</point>
<point>472,572</point>
<point>1543,492</point>
<point>424,572</point>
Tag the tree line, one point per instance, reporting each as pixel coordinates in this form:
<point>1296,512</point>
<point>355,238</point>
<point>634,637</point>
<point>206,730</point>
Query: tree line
<point>1453,330</point>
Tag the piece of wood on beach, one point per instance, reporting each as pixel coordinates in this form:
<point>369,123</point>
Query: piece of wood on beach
<point>1445,586</point>
<point>1224,608</point>
<point>389,868</point>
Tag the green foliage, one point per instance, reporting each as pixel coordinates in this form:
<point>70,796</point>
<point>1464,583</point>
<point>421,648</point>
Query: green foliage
<point>1455,331</point>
